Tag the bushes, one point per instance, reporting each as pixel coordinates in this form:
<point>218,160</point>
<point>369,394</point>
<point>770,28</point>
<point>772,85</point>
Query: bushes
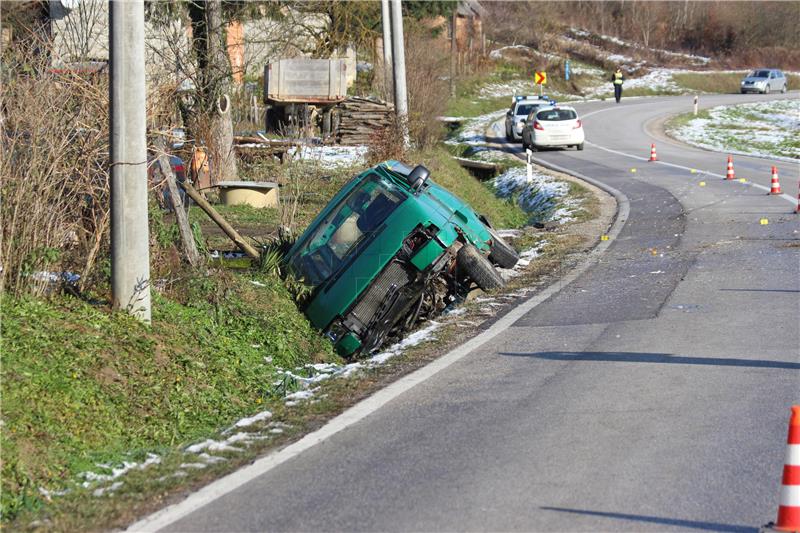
<point>54,173</point>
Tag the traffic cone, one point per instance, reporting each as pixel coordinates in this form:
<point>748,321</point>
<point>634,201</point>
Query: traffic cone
<point>797,209</point>
<point>730,175</point>
<point>653,156</point>
<point>776,184</point>
<point>789,507</point>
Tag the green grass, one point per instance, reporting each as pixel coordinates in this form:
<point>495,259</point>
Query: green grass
<point>683,119</point>
<point>238,214</point>
<point>82,386</point>
<point>472,106</point>
<point>720,82</point>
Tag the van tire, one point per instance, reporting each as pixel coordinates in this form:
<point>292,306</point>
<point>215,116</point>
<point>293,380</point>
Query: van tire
<point>478,268</point>
<point>502,254</point>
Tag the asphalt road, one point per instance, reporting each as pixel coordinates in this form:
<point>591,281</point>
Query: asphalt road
<point>651,393</point>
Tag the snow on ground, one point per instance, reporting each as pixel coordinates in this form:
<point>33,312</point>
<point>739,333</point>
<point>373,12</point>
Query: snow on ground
<point>525,259</point>
<point>541,197</point>
<point>503,52</point>
<point>331,156</point>
<point>474,130</point>
<point>695,59</point>
<point>658,79</point>
<point>764,129</point>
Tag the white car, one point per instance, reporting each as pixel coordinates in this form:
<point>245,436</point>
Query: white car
<point>553,126</point>
<point>521,107</point>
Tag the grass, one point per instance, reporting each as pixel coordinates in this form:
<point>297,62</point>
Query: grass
<point>238,214</point>
<point>720,82</point>
<point>108,387</point>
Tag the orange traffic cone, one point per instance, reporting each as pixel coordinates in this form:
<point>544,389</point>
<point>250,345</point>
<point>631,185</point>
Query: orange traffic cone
<point>730,175</point>
<point>776,184</point>
<point>789,507</point>
<point>653,156</point>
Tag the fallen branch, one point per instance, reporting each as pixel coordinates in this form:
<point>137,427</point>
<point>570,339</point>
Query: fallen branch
<point>221,222</point>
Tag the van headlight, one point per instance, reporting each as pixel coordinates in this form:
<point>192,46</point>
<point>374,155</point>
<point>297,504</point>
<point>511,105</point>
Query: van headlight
<point>336,331</point>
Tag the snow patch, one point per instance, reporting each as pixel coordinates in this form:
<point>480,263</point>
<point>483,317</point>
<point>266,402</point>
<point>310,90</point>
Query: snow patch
<point>763,129</point>
<point>541,197</point>
<point>331,156</point>
<point>92,478</point>
<point>474,131</point>
<point>415,339</point>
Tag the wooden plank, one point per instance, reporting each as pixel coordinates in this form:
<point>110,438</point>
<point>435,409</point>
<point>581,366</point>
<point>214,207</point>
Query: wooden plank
<point>187,237</point>
<point>221,222</point>
<point>481,165</point>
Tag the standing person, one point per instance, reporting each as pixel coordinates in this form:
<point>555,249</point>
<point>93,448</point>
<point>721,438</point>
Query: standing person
<point>617,78</point>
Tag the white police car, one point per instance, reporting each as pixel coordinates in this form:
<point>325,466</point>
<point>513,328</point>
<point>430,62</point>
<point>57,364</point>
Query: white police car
<point>553,126</point>
<point>521,107</point>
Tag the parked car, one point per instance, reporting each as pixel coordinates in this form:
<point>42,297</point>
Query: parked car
<point>764,81</point>
<point>521,107</point>
<point>553,126</point>
<point>391,248</point>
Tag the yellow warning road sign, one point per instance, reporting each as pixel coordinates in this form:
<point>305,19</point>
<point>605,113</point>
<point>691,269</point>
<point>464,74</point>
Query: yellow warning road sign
<point>540,78</point>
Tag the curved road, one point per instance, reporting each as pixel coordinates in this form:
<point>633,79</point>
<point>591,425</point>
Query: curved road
<point>650,393</point>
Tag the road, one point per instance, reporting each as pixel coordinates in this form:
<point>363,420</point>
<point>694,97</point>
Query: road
<point>651,393</point>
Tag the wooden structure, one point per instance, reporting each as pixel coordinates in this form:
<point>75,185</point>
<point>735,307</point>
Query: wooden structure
<point>363,118</point>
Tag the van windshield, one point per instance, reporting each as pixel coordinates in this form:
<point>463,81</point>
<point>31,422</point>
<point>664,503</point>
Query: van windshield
<point>350,223</point>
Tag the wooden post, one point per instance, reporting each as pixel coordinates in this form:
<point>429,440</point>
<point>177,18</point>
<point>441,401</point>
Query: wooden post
<point>187,238</point>
<point>221,222</point>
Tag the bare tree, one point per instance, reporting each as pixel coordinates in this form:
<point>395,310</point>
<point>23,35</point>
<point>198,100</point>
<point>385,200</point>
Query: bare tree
<point>213,109</point>
<point>81,32</point>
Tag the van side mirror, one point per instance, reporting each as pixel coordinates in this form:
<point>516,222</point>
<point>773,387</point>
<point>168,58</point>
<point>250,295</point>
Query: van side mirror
<point>417,177</point>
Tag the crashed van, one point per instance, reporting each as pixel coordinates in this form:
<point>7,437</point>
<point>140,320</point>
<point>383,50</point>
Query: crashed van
<point>390,249</point>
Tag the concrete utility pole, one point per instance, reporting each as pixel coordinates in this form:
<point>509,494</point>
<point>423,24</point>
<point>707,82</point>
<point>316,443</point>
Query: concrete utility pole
<point>130,253</point>
<point>386,23</point>
<point>398,50</point>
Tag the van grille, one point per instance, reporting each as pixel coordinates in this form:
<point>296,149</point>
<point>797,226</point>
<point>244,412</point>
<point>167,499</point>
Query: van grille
<point>394,274</point>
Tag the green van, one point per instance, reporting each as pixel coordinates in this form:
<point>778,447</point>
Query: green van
<point>389,249</point>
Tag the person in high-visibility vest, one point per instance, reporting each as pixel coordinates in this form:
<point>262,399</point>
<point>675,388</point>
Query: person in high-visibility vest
<point>617,78</point>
